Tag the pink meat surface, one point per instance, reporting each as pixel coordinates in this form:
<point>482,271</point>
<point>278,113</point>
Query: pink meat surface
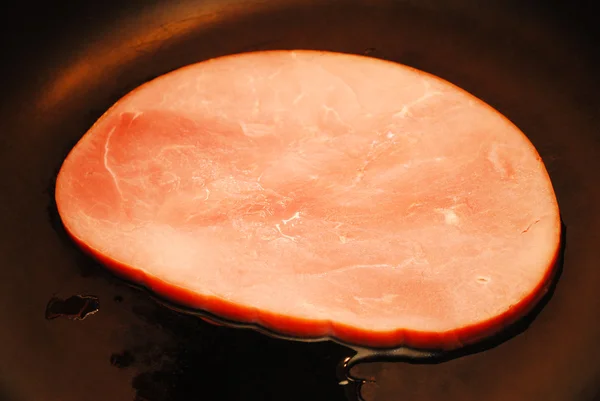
<point>318,194</point>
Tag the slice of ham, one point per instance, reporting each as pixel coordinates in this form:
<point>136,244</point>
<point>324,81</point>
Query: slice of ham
<point>318,194</point>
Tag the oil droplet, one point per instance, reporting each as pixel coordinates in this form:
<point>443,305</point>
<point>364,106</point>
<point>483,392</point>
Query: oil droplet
<point>76,307</point>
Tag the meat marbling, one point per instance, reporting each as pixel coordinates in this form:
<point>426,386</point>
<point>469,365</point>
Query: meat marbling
<point>318,194</point>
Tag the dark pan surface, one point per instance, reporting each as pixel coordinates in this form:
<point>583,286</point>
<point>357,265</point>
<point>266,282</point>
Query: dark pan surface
<point>64,65</point>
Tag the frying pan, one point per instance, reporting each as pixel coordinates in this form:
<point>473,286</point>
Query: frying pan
<point>65,64</point>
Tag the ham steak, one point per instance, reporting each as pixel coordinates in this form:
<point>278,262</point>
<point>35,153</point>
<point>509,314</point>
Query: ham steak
<point>318,194</point>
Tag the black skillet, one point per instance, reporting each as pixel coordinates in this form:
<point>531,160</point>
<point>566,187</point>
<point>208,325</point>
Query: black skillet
<point>65,64</point>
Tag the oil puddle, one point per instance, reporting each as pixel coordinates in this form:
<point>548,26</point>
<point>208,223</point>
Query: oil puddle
<point>76,307</point>
<point>199,360</point>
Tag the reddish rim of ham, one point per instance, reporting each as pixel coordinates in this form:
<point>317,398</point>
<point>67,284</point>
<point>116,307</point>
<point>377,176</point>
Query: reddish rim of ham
<point>318,194</point>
